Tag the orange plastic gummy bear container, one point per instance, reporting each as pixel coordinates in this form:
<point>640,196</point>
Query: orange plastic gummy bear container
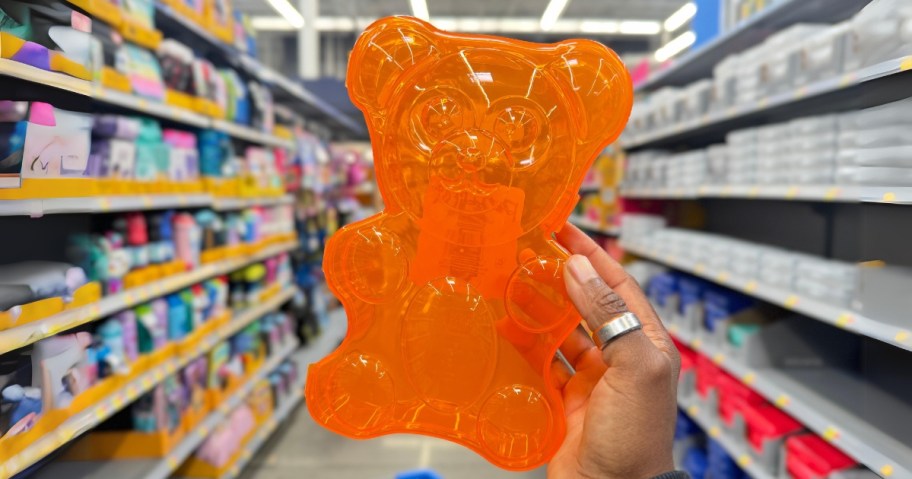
<point>454,292</point>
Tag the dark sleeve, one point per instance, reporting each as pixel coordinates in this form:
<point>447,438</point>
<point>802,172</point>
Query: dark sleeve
<point>673,475</point>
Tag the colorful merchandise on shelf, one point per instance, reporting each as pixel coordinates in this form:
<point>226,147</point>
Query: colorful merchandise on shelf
<point>47,34</point>
<point>809,456</point>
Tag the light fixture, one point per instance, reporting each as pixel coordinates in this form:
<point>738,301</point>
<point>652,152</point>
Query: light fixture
<point>552,13</point>
<point>270,24</point>
<point>675,46</point>
<point>290,13</point>
<point>420,9</point>
<point>599,26</point>
<point>639,27</point>
<point>677,19</point>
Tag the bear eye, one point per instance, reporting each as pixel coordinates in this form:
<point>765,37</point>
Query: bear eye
<point>523,128</point>
<point>436,117</point>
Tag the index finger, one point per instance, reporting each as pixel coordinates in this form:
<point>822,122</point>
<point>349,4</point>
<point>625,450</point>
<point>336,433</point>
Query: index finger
<point>618,280</point>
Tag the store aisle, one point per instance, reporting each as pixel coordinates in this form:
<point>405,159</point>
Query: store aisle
<point>302,449</point>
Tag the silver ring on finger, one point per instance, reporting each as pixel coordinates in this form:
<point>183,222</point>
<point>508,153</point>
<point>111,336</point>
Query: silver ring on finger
<point>616,327</point>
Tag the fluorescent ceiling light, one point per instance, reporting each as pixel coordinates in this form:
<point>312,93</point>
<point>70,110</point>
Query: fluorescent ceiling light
<point>478,25</point>
<point>677,19</point>
<point>552,13</point>
<point>270,23</point>
<point>599,26</point>
<point>675,46</point>
<point>518,25</point>
<point>290,13</point>
<point>420,9</point>
<point>640,27</point>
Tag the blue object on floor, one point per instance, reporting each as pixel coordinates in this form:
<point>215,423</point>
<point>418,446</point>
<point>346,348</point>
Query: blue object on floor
<point>419,474</point>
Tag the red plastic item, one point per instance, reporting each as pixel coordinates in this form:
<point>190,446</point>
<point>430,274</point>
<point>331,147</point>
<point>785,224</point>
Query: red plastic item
<point>707,375</point>
<point>733,396</point>
<point>766,422</point>
<point>808,456</point>
<point>454,293</point>
<point>688,356</point>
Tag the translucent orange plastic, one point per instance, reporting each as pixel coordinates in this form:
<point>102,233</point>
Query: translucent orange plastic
<point>454,292</point>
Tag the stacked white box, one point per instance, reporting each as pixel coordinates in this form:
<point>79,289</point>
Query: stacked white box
<point>881,31</point>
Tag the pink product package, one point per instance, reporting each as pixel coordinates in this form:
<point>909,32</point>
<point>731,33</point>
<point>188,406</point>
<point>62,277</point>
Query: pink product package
<point>183,155</point>
<point>56,142</point>
<point>222,444</point>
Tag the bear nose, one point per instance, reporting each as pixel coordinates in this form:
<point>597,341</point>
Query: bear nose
<point>471,159</point>
<point>474,159</point>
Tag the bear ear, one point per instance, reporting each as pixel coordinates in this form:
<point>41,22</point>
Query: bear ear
<point>383,54</point>
<point>596,77</point>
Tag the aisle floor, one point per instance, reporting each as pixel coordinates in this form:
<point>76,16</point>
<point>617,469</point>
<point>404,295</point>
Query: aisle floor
<point>302,449</point>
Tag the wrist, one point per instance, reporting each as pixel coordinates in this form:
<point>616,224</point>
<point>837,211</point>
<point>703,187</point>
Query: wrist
<point>673,475</point>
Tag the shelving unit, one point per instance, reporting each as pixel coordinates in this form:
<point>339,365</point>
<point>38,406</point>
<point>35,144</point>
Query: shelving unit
<point>824,193</point>
<point>700,62</point>
<point>810,395</point>
<point>709,423</point>
<point>833,94</point>
<point>94,415</point>
<point>840,317</point>
<point>137,104</point>
<point>854,413</point>
<point>29,333</point>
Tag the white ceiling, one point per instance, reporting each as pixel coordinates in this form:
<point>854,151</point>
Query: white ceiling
<point>576,9</point>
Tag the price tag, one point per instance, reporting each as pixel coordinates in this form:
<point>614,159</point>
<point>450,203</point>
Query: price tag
<point>101,412</point>
<point>888,197</point>
<point>129,298</point>
<point>750,287</point>
<point>714,431</point>
<point>722,277</point>
<point>719,358</point>
<point>182,200</point>
<point>901,336</point>
<point>132,392</point>
<point>693,410</point>
<point>830,433</point>
<point>783,400</point>
<point>846,80</point>
<point>749,378</point>
<point>699,268</point>
<point>203,431</point>
<point>673,329</point>
<point>905,64</point>
<point>791,301</point>
<point>886,470</point>
<point>118,401</point>
<point>831,194</point>
<point>696,343</point>
<point>159,375</point>
<point>146,383</point>
<point>844,320</point>
<point>172,463</point>
<point>147,201</point>
<point>744,460</point>
<point>104,204</point>
<point>791,192</point>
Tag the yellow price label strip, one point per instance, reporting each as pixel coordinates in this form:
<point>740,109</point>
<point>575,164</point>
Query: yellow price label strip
<point>693,410</point>
<point>902,336</point>
<point>886,470</point>
<point>783,400</point>
<point>830,433</point>
<point>791,301</point>
<point>749,378</point>
<point>744,460</point>
<point>844,320</point>
<point>750,287</point>
<point>719,358</point>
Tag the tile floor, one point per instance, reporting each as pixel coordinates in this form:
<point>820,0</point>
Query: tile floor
<point>303,450</point>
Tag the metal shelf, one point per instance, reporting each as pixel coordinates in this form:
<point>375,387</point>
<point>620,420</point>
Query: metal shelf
<point>710,425</point>
<point>107,204</point>
<point>822,193</point>
<point>95,415</point>
<point>833,94</point>
<point>586,224</point>
<point>840,317</point>
<point>835,404</point>
<point>22,71</point>
<point>21,336</point>
<point>699,63</point>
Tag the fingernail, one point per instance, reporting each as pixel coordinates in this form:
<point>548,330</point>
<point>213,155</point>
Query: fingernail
<point>581,269</point>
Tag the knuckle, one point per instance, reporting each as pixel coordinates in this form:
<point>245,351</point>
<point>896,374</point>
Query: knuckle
<point>657,367</point>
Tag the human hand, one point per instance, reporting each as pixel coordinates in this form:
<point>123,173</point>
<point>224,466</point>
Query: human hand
<point>621,404</point>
